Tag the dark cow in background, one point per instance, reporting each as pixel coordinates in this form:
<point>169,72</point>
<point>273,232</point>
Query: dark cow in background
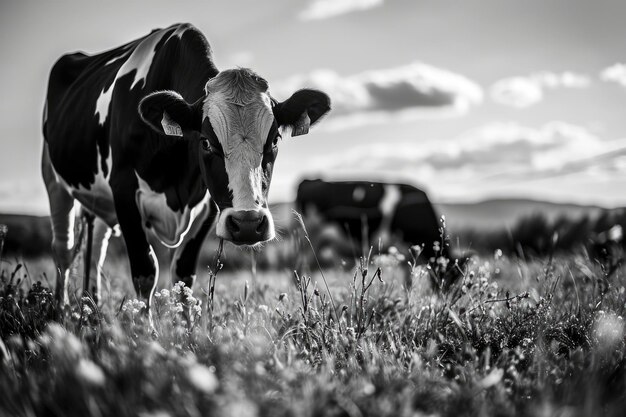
<point>152,137</point>
<point>389,211</point>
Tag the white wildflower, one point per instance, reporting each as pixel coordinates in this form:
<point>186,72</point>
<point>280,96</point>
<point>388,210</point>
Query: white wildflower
<point>178,288</point>
<point>494,377</point>
<point>155,347</point>
<point>388,260</point>
<point>188,292</point>
<point>417,249</point>
<point>61,342</point>
<point>241,408</point>
<point>134,306</point>
<point>90,372</point>
<point>369,388</point>
<point>608,330</point>
<point>202,378</point>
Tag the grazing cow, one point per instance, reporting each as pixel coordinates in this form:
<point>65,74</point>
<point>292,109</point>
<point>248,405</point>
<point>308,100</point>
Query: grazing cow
<point>386,210</point>
<point>152,137</point>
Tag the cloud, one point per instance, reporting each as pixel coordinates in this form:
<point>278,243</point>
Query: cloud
<point>324,9</point>
<point>556,161</point>
<point>615,73</point>
<point>496,153</point>
<point>406,92</point>
<point>524,91</point>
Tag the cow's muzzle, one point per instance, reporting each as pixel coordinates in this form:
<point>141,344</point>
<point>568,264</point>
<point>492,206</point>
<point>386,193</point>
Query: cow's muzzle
<point>247,227</point>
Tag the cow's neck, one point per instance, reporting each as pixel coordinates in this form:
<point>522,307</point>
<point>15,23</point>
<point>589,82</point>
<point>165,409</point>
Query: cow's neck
<point>171,195</point>
<point>172,168</point>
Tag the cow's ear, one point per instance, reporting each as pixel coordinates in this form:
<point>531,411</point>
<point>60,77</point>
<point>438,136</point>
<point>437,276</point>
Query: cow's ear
<point>301,110</point>
<point>169,114</point>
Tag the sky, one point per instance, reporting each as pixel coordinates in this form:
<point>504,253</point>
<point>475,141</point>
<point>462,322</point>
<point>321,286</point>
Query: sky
<point>468,100</point>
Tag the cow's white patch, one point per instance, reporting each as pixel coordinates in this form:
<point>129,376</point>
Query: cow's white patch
<point>170,227</point>
<point>358,194</point>
<point>98,196</point>
<point>103,242</point>
<point>109,165</point>
<point>178,33</point>
<point>387,206</point>
<point>139,61</point>
<point>45,113</point>
<point>124,54</point>
<point>242,131</point>
<point>390,200</point>
<point>196,223</point>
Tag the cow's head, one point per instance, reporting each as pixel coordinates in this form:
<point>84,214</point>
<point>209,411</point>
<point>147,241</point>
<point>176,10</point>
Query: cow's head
<point>237,128</point>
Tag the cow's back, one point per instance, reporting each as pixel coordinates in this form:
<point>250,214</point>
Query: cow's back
<point>91,111</point>
<point>77,143</point>
<point>342,195</point>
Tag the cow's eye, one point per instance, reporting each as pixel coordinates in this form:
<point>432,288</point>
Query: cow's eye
<point>206,146</point>
<point>276,139</point>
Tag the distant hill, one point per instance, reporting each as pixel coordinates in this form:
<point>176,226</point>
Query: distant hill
<point>488,214</point>
<point>499,213</point>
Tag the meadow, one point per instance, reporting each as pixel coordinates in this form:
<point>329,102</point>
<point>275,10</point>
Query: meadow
<point>499,335</point>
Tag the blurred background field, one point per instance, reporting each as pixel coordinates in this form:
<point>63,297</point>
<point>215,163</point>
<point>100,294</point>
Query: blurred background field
<point>524,228</point>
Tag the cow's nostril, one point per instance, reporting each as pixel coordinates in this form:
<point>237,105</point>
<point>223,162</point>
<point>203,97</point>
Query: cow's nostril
<point>262,225</point>
<point>232,224</point>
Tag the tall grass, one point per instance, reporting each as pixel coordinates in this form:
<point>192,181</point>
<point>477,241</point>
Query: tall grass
<point>507,337</point>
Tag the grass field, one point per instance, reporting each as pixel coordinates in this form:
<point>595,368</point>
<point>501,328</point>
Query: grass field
<point>510,337</point>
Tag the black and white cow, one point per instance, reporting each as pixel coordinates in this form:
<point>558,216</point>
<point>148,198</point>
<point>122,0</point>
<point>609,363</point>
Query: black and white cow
<point>388,210</point>
<point>152,137</point>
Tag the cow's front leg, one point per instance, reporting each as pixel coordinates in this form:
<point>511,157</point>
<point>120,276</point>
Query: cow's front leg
<point>183,267</point>
<point>143,262</point>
